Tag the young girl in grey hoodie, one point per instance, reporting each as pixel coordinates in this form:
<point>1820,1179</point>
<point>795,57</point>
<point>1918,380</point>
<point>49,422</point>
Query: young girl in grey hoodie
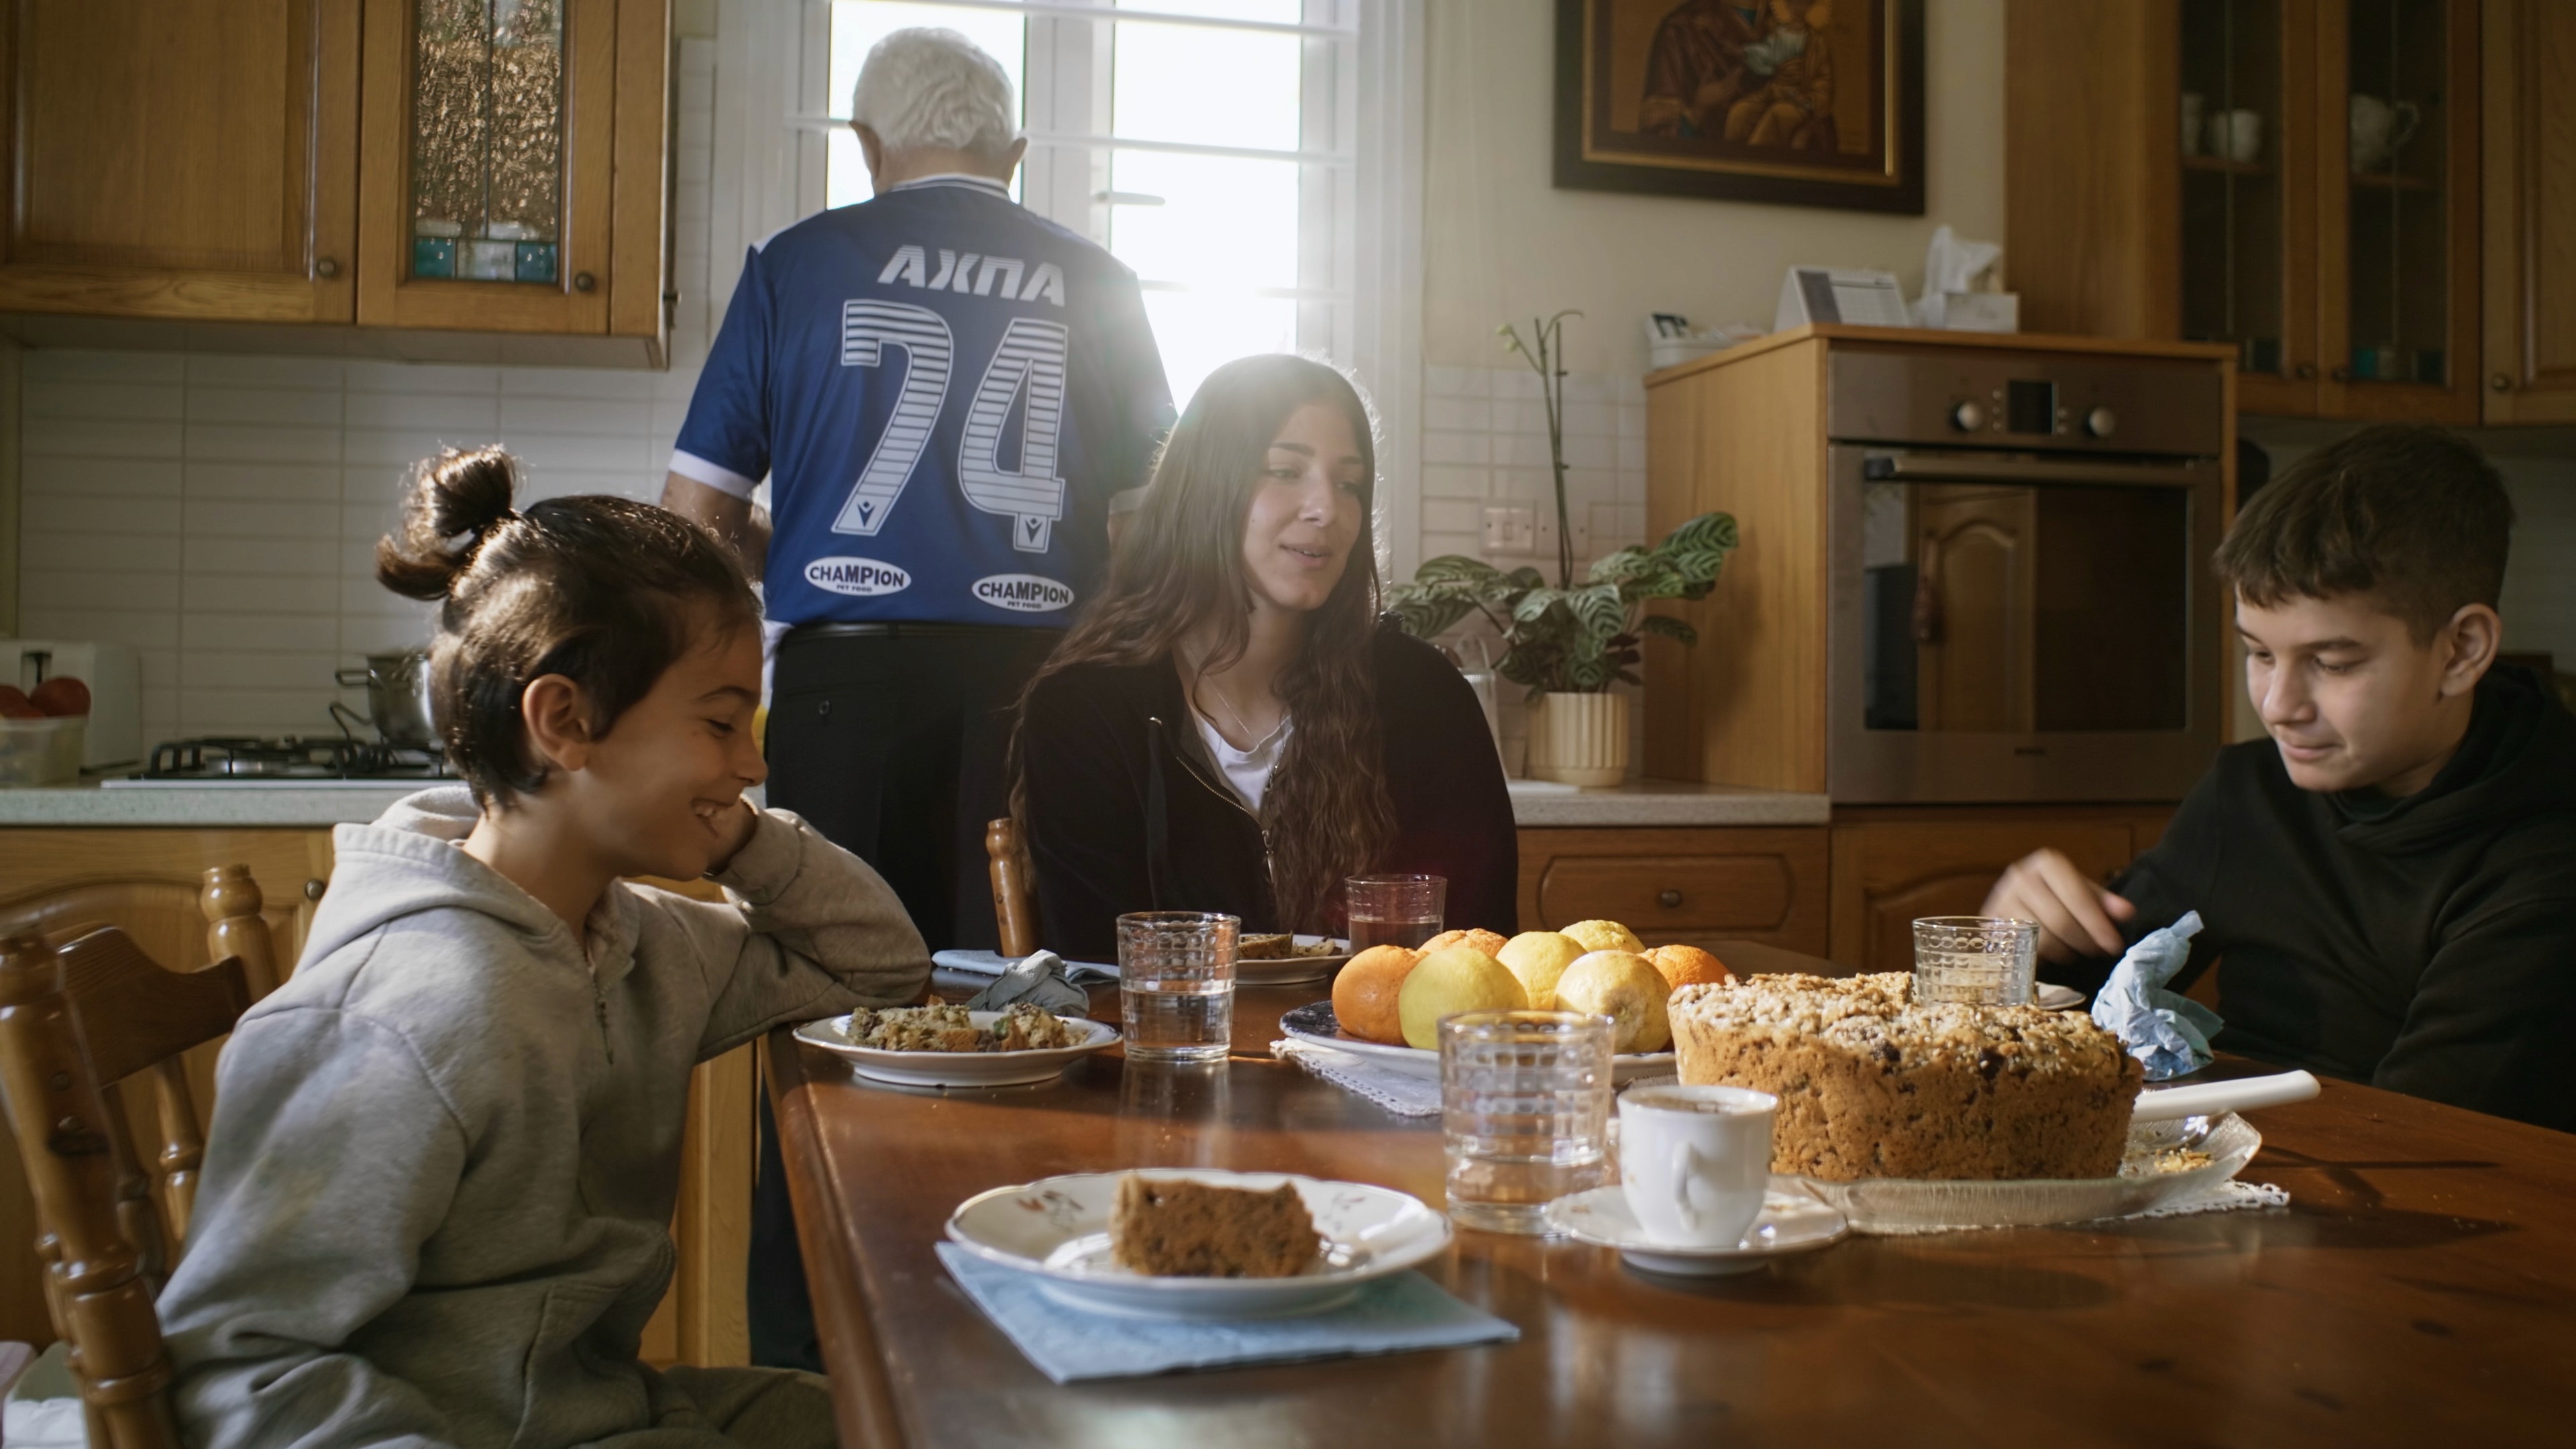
<point>445,1153</point>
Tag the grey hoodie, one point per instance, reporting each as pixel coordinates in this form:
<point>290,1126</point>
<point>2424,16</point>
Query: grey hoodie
<point>436,1197</point>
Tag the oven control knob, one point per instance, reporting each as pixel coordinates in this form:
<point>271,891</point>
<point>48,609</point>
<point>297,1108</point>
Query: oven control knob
<point>1968,417</point>
<point>2100,422</point>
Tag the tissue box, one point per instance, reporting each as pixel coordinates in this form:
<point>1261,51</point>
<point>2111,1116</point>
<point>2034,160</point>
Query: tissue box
<point>1974,311</point>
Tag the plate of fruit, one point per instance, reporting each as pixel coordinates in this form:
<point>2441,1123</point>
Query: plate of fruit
<point>1387,1001</point>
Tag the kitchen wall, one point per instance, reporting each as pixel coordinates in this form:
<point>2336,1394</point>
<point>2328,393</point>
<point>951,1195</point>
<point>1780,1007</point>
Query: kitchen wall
<point>220,512</point>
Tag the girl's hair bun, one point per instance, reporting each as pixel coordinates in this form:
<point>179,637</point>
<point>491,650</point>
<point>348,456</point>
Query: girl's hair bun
<point>457,500</point>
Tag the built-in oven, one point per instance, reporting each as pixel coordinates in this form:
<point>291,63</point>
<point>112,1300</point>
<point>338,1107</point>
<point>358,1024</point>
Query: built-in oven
<point>2022,601</point>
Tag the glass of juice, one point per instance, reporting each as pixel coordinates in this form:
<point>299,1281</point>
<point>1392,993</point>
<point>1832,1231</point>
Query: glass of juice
<point>1395,910</point>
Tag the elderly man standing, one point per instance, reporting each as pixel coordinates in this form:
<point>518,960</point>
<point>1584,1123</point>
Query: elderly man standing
<point>945,391</point>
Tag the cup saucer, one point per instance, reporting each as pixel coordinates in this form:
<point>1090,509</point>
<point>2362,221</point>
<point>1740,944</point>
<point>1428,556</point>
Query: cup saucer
<point>1791,1222</point>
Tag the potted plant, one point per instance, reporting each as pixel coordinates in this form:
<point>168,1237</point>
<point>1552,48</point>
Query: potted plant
<point>1569,643</point>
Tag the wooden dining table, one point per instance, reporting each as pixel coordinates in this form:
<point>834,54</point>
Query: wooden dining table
<point>2420,1287</point>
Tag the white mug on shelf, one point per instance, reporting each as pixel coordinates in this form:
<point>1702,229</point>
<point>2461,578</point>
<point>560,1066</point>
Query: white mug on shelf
<point>2379,128</point>
<point>2236,135</point>
<point>1695,1161</point>
<point>2192,106</point>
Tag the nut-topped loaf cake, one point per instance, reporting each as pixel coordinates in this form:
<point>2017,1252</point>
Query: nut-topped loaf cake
<point>1874,1084</point>
<point>1171,1227</point>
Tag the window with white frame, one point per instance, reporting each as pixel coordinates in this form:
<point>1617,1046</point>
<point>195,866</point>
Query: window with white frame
<point>1211,145</point>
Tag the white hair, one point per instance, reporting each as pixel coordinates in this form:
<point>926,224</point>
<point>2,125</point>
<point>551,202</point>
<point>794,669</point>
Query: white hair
<point>933,87</point>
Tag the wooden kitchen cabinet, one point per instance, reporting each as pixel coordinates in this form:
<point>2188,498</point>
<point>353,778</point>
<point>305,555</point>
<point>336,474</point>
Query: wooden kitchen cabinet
<point>191,159</point>
<point>511,170</point>
<point>701,1321</point>
<point>411,165</point>
<point>1691,886</point>
<point>1894,865</point>
<point>2530,214</point>
<point>2333,234</point>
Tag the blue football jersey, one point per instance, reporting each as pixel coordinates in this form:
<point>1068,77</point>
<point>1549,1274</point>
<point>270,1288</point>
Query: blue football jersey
<point>945,389</point>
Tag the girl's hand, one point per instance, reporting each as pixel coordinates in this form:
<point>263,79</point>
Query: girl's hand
<point>733,832</point>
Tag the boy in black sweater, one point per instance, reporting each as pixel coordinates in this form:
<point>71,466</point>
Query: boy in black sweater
<point>2391,878</point>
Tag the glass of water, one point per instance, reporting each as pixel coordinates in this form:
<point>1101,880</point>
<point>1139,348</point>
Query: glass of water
<point>1975,960</point>
<point>1394,910</point>
<point>1176,984</point>
<point>1524,1113</point>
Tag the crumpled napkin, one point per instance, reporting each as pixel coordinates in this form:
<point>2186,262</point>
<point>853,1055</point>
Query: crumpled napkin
<point>2168,1032</point>
<point>1038,979</point>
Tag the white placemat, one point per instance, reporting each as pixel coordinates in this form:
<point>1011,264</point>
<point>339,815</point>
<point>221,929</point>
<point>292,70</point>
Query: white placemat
<point>1402,1093</point>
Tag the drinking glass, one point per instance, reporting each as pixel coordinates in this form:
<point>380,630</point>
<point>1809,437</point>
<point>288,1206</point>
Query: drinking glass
<point>1524,1113</point>
<point>1975,960</point>
<point>1395,910</point>
<point>1176,984</point>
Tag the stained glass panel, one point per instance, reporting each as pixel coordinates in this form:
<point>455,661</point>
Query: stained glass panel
<point>487,139</point>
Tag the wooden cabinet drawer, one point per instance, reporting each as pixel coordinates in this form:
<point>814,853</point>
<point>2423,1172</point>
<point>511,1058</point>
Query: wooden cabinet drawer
<point>1765,884</point>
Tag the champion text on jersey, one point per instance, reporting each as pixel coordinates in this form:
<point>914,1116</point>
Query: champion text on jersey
<point>975,275</point>
<point>863,578</point>
<point>1023,593</point>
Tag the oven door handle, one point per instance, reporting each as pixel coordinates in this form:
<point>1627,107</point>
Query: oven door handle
<point>1923,468</point>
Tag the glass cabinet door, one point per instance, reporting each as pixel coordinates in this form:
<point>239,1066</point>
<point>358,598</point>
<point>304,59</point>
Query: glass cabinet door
<point>487,166</point>
<point>2406,177</point>
<point>2247,228</point>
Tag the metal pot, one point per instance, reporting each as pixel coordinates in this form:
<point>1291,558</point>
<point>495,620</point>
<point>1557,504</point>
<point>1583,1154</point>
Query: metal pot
<point>397,697</point>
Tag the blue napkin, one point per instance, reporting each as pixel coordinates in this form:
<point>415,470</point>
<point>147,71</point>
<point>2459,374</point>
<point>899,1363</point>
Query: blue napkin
<point>2168,1032</point>
<point>1392,1314</point>
<point>1040,981</point>
<point>994,963</point>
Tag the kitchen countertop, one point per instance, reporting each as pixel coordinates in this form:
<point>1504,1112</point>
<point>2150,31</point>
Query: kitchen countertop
<point>1663,802</point>
<point>1646,802</point>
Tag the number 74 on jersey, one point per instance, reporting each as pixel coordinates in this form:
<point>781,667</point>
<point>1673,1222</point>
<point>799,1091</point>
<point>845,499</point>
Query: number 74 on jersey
<point>1029,359</point>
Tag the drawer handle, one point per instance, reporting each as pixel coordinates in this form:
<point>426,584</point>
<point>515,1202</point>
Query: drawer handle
<point>1670,899</point>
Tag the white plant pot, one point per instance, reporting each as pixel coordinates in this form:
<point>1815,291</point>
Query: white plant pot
<point>1579,739</point>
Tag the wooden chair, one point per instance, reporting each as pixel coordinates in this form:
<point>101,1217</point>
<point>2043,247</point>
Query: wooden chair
<point>1014,887</point>
<point>75,1022</point>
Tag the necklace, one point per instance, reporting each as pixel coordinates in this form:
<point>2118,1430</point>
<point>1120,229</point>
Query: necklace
<point>1251,736</point>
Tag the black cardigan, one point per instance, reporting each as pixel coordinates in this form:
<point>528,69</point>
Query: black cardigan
<point>1124,813</point>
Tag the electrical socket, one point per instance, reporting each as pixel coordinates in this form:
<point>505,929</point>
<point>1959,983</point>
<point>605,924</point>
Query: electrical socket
<point>1511,530</point>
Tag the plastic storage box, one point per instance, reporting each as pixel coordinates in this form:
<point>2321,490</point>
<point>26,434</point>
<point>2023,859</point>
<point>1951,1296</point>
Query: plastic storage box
<point>41,751</point>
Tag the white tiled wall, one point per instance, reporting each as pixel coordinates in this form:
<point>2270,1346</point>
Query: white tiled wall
<point>220,513</point>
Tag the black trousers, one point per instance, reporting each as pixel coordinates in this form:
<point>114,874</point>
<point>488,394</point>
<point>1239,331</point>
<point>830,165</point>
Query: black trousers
<point>892,743</point>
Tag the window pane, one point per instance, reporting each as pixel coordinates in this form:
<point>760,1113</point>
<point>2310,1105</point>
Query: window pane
<point>857,25</point>
<point>1198,332</point>
<point>1223,222</point>
<point>1278,12</point>
<point>1206,87</point>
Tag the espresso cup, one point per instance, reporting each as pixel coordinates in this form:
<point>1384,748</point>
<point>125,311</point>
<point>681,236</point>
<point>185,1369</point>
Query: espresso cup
<point>1695,1161</point>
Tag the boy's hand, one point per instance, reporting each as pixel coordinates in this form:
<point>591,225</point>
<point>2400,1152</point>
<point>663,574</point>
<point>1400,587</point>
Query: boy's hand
<point>2076,915</point>
<point>733,832</point>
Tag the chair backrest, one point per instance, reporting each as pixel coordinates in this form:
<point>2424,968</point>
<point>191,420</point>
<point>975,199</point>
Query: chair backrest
<point>1014,890</point>
<point>76,1020</point>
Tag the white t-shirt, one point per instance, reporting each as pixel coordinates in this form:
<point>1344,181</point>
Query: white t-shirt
<point>1248,771</point>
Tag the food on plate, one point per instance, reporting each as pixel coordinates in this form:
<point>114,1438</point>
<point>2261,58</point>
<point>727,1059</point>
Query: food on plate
<point>1171,1228</point>
<point>61,696</point>
<point>1689,966</point>
<point>1624,987</point>
<point>1365,991</point>
<point>1444,983</point>
<point>1538,958</point>
<point>1489,942</point>
<point>1281,946</point>
<point>1606,936</point>
<point>1874,1084</point>
<point>1021,1027</point>
<point>14,704</point>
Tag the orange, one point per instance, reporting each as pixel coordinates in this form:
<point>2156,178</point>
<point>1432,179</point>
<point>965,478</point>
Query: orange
<point>1365,992</point>
<point>1689,966</point>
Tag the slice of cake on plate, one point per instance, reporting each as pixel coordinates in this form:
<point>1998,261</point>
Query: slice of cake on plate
<point>1873,1084</point>
<point>1171,1227</point>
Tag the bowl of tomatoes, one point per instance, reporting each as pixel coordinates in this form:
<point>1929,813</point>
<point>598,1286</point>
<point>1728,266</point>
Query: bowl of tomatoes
<point>41,732</point>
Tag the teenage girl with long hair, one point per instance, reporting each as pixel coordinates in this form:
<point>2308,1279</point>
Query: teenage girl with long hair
<point>1230,726</point>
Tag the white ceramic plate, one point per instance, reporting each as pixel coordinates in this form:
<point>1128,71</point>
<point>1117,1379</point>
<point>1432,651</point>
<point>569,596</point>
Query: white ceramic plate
<point>957,1069</point>
<point>1314,1022</point>
<point>1902,1204</point>
<point>2056,998</point>
<point>1792,1221</point>
<point>1058,1229</point>
<point>1293,970</point>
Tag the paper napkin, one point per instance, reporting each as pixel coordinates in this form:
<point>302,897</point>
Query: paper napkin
<point>2168,1032</point>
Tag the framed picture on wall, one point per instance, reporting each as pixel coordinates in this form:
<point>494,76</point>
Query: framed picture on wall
<point>1802,102</point>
